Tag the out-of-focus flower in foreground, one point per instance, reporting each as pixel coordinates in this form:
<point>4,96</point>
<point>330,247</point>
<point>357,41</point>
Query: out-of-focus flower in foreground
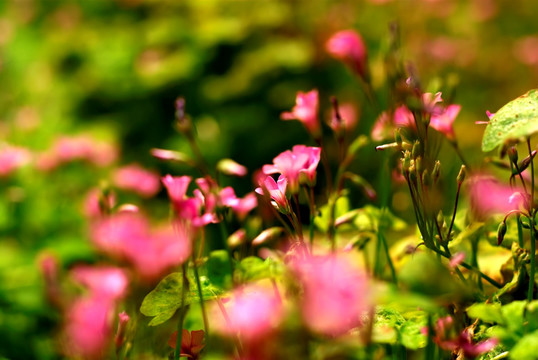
<point>12,158</point>
<point>348,46</point>
<point>488,196</point>
<point>336,294</point>
<point>137,179</point>
<point>105,282</point>
<point>444,121</point>
<point>253,312</point>
<point>306,111</point>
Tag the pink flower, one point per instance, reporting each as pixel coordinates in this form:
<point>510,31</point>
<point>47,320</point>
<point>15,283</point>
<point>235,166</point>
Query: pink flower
<point>306,111</point>
<point>443,121</point>
<point>95,202</point>
<point>385,124</point>
<point>456,259</point>
<point>135,178</point>
<point>298,165</point>
<point>241,206</point>
<point>335,294</point>
<point>104,282</point>
<point>253,312</point>
<point>488,196</point>
<point>151,252</point>
<point>348,113</point>
<point>348,46</point>
<point>82,147</point>
<point>88,327</point>
<point>176,186</point>
<point>12,158</point>
<point>430,101</point>
<point>277,193</point>
<point>119,338</point>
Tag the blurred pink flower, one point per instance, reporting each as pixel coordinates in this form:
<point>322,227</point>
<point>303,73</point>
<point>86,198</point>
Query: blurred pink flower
<point>488,196</point>
<point>306,111</point>
<point>137,179</point>
<point>241,206</point>
<point>253,312</point>
<point>151,252</point>
<point>277,192</point>
<point>443,122</point>
<point>119,338</point>
<point>83,147</point>
<point>12,158</point>
<point>297,166</point>
<point>349,115</point>
<point>403,117</point>
<point>104,282</point>
<point>430,101</point>
<point>88,327</point>
<point>348,46</point>
<point>526,50</point>
<point>335,294</point>
<point>92,202</point>
<point>176,186</point>
<point>385,124</point>
<point>49,267</point>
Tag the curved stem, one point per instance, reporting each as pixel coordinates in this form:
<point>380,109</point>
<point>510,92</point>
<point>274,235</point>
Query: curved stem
<point>182,311</point>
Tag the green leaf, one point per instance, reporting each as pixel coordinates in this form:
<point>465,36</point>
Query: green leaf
<point>515,120</point>
<point>219,269</point>
<point>526,348</point>
<point>513,313</point>
<point>411,335</point>
<point>486,312</point>
<point>163,301</point>
<point>253,268</point>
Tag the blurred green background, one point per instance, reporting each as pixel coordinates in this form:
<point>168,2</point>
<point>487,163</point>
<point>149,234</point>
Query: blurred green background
<point>112,70</point>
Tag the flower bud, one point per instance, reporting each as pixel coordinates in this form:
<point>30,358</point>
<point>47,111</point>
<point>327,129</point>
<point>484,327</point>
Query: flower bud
<point>267,235</point>
<point>512,154</point>
<point>418,165</point>
<point>426,178</point>
<point>398,137</point>
<point>169,155</point>
<point>524,164</point>
<point>406,161</point>
<point>461,174</point>
<point>237,238</point>
<point>183,122</point>
<point>436,171</point>
<point>501,231</point>
<point>440,217</point>
<point>231,168</point>
<point>120,333</point>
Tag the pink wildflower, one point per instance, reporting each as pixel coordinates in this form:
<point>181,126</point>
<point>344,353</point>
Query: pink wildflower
<point>192,343</point>
<point>241,206</point>
<point>104,282</point>
<point>137,179</point>
<point>176,186</point>
<point>348,122</point>
<point>443,122</point>
<point>488,196</point>
<point>385,124</point>
<point>88,327</point>
<point>306,111</point>
<point>277,193</point>
<point>151,252</point>
<point>82,147</point>
<point>253,311</point>
<point>335,294</point>
<point>456,259</point>
<point>12,158</point>
<point>348,46</point>
<point>297,166</point>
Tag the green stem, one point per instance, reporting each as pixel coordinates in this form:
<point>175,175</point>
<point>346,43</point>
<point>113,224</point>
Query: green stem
<point>387,254</point>
<point>182,312</point>
<point>454,212</point>
<point>530,294</point>
<point>520,232</point>
<point>199,286</point>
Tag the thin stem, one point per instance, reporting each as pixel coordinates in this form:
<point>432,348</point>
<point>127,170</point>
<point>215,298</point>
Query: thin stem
<point>532,172</point>
<point>326,165</point>
<point>520,232</point>
<point>182,312</point>
<point>454,212</point>
<point>389,260</point>
<point>530,294</point>
<point>460,154</point>
<point>198,154</point>
<point>312,217</point>
<point>199,286</point>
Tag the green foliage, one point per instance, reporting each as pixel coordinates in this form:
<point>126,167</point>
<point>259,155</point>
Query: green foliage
<point>514,121</point>
<point>393,327</point>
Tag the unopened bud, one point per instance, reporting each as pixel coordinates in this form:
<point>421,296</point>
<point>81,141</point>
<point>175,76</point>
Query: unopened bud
<point>417,149</point>
<point>524,164</point>
<point>426,178</point>
<point>406,161</point>
<point>267,235</point>
<point>169,155</point>
<point>237,238</point>
<point>398,137</point>
<point>512,154</point>
<point>120,333</point>
<point>418,164</point>
<point>461,174</point>
<point>183,122</point>
<point>231,168</point>
<point>346,218</point>
<point>501,232</point>
<point>436,171</point>
<point>440,217</point>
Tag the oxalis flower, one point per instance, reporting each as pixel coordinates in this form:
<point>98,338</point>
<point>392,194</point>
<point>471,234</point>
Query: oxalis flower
<point>277,192</point>
<point>336,294</point>
<point>348,46</point>
<point>306,111</point>
<point>297,166</point>
<point>489,197</point>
